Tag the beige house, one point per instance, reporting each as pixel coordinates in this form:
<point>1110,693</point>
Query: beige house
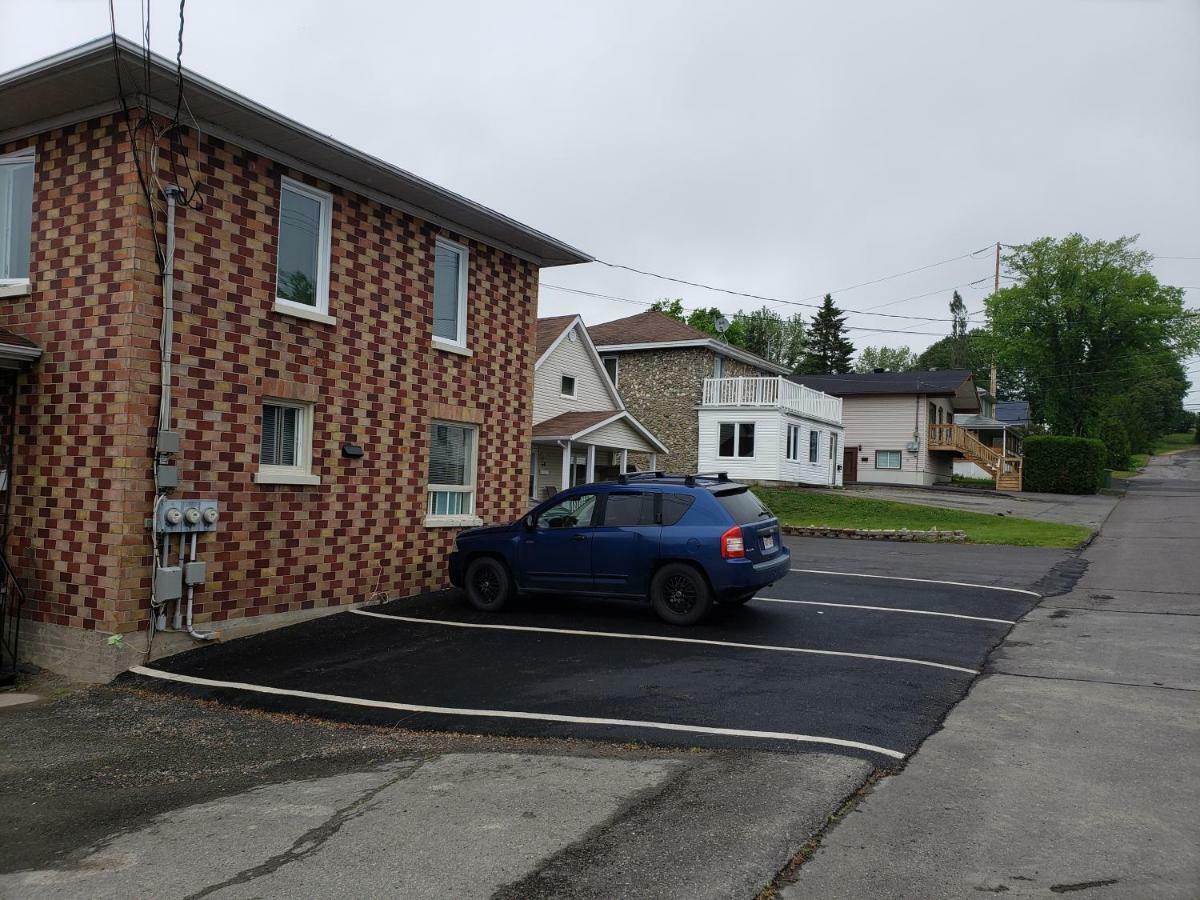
<point>582,431</point>
<point>904,427</point>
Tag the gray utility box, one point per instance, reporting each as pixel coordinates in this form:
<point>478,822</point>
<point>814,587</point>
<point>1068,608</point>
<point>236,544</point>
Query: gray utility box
<point>186,516</point>
<point>168,584</point>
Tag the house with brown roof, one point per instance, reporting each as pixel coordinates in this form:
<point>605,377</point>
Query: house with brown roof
<point>660,366</point>
<point>582,431</point>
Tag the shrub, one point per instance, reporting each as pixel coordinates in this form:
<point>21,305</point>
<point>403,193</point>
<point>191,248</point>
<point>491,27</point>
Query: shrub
<point>1116,442</point>
<point>1055,464</point>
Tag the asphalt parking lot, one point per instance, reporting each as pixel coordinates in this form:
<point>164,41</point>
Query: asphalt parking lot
<point>832,659</point>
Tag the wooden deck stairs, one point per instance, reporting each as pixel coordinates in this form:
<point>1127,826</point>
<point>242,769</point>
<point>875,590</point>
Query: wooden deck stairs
<point>1004,468</point>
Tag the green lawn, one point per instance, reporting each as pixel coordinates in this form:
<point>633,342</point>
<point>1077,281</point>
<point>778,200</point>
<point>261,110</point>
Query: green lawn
<point>1183,440</point>
<point>804,507</point>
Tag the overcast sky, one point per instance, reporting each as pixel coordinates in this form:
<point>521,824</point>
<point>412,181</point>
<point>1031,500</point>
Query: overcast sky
<point>778,148</point>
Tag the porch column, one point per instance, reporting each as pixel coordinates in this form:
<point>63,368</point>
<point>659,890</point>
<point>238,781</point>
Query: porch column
<point>566,467</point>
<point>591,463</point>
<point>1004,441</point>
<point>624,461</point>
<point>653,462</point>
<point>533,477</point>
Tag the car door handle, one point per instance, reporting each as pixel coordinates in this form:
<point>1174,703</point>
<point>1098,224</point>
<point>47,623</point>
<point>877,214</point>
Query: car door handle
<point>580,537</point>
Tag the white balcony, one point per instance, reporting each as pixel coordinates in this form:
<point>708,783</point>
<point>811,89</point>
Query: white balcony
<point>775,391</point>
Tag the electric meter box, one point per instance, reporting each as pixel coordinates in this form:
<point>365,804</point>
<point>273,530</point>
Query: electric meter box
<point>186,516</point>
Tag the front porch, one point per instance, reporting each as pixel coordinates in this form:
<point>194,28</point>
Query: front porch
<point>581,448</point>
<point>989,446</point>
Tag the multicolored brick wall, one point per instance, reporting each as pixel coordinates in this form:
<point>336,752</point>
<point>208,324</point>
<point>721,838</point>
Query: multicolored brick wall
<point>89,413</point>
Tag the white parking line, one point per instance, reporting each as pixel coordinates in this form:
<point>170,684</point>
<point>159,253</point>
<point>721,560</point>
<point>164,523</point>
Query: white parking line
<point>986,587</point>
<point>895,609</point>
<point>665,638</point>
<point>510,714</point>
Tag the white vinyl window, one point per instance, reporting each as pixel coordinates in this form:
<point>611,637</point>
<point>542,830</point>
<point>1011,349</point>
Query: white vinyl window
<point>302,258</point>
<point>736,440</point>
<point>285,444</point>
<point>793,443</point>
<point>612,367</point>
<point>452,461</point>
<point>887,459</point>
<point>814,444</point>
<point>567,388</point>
<point>450,295</point>
<point>16,216</point>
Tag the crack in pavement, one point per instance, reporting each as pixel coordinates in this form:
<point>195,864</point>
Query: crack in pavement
<point>312,840</point>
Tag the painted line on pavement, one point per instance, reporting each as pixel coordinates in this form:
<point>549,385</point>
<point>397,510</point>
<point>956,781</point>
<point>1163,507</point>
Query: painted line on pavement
<point>895,609</point>
<point>667,639</point>
<point>510,714</point>
<point>985,587</point>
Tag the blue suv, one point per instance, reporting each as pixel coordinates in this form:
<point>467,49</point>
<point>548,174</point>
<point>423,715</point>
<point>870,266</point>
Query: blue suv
<point>683,542</point>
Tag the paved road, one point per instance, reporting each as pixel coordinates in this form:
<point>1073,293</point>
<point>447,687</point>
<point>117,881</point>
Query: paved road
<point>1074,764</point>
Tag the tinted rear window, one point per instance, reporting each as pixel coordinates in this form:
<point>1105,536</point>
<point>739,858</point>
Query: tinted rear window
<point>743,506</point>
<point>674,506</point>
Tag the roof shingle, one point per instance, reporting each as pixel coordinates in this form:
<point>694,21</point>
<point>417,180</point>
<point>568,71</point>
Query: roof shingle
<point>548,330</point>
<point>938,381</point>
<point>650,327</point>
<point>567,424</point>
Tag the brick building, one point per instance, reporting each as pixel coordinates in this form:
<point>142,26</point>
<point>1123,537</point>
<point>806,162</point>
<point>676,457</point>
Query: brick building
<point>352,359</point>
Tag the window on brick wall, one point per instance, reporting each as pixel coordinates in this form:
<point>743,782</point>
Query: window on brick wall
<point>452,464</point>
<point>285,443</point>
<point>16,216</point>
<point>302,258</point>
<point>450,294</point>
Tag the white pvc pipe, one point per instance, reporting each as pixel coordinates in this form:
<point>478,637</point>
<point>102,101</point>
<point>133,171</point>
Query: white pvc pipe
<point>198,635</point>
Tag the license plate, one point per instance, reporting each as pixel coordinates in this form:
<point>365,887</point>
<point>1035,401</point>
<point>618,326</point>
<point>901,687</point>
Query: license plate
<point>768,542</point>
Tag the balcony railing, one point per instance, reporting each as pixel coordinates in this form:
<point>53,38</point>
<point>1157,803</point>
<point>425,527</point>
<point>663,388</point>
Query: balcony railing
<point>775,391</point>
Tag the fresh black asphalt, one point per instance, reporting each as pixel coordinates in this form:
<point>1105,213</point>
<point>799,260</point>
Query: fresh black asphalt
<point>885,703</point>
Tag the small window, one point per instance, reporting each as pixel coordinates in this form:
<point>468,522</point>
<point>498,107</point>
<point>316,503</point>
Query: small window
<point>814,445</point>
<point>833,442</point>
<point>736,439</point>
<point>285,446</point>
<point>628,510</point>
<point>611,367</point>
<point>567,388</point>
<point>16,216</point>
<point>718,366</point>
<point>793,443</point>
<point>675,506</point>
<point>302,259</point>
<point>451,469</point>
<point>887,459</point>
<point>575,512</point>
<point>450,293</point>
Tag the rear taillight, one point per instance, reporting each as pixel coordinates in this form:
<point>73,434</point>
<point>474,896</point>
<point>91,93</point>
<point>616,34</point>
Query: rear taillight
<point>733,546</point>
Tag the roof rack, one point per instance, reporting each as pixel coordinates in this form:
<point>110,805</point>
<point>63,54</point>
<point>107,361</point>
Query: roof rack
<point>718,477</point>
<point>627,477</point>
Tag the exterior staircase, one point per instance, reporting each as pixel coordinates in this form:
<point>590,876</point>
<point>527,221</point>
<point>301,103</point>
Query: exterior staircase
<point>1005,468</point>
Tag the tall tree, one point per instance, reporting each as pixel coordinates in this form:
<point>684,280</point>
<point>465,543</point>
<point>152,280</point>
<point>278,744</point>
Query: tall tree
<point>829,350</point>
<point>890,359</point>
<point>1085,323</point>
<point>671,306</point>
<point>958,311</point>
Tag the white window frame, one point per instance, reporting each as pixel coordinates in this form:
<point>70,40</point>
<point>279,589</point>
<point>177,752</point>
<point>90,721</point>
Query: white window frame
<point>464,257</point>
<point>301,473</point>
<point>320,312</point>
<point>574,395</point>
<point>737,440</point>
<point>793,442</point>
<point>10,287</point>
<point>471,488</point>
<point>616,372</point>
<point>814,447</point>
<point>899,460</point>
<point>718,366</point>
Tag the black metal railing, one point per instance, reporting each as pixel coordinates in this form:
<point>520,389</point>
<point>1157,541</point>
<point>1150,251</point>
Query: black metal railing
<point>12,599</point>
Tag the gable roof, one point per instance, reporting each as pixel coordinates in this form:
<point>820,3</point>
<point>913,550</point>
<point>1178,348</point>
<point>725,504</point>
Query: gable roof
<point>653,330</point>
<point>549,330</point>
<point>81,84</point>
<point>1013,412</point>
<point>550,333</point>
<point>573,425</point>
<point>957,383</point>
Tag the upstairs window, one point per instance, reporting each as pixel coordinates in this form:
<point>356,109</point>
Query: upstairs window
<point>302,261</point>
<point>611,367</point>
<point>567,386</point>
<point>450,294</point>
<point>16,216</point>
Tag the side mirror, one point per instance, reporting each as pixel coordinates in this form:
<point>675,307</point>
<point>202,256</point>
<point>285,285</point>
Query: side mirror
<point>529,523</point>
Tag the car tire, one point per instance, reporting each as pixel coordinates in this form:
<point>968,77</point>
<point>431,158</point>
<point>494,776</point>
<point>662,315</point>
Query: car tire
<point>679,594</point>
<point>488,583</point>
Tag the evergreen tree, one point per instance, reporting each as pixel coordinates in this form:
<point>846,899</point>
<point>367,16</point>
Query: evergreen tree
<point>829,350</point>
<point>959,353</point>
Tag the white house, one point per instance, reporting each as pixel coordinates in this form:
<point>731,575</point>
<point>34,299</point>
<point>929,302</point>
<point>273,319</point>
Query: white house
<point>581,429</point>
<point>769,429</point>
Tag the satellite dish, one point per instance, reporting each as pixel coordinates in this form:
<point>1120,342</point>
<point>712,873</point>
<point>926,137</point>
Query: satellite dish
<point>722,325</point>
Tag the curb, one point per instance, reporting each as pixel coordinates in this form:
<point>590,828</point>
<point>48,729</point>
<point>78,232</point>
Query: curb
<point>933,536</point>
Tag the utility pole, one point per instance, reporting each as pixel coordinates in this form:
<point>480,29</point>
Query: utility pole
<point>995,290</point>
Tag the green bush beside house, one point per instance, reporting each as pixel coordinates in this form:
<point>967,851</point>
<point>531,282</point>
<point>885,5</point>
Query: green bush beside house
<point>1057,464</point>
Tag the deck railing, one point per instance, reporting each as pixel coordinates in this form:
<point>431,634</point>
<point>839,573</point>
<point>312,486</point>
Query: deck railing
<point>772,391</point>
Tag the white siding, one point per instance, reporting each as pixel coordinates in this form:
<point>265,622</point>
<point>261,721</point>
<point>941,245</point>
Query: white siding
<point>591,392</point>
<point>891,423</point>
<point>769,462</point>
<point>619,434</point>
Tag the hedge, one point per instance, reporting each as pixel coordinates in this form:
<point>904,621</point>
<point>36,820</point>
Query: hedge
<point>1064,465</point>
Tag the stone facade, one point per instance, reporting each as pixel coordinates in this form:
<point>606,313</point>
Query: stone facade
<point>663,388</point>
<point>82,477</point>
